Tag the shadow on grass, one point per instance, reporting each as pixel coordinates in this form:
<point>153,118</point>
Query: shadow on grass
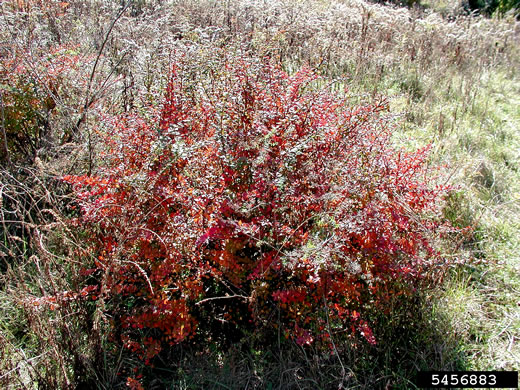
<point>412,336</point>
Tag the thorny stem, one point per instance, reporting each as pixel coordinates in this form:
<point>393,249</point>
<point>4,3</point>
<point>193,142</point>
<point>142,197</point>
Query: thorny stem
<point>4,134</point>
<point>332,340</point>
<point>90,99</point>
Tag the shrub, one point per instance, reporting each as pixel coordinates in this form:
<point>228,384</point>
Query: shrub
<point>32,89</point>
<point>491,6</point>
<point>253,200</point>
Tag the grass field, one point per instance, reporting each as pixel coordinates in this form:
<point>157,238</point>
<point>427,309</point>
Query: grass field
<point>451,80</point>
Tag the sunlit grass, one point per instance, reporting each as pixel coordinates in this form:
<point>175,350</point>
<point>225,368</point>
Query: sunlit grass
<point>482,147</point>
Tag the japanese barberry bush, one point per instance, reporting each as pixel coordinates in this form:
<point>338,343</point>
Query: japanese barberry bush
<point>33,89</point>
<point>253,200</point>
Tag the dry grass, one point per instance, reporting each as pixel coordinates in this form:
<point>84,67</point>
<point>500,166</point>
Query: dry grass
<point>452,81</point>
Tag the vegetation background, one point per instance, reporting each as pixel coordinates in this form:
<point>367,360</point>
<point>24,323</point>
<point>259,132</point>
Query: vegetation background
<point>449,70</point>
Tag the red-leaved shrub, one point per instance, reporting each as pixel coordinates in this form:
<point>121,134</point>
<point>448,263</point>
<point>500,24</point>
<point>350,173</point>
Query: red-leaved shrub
<point>253,200</point>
